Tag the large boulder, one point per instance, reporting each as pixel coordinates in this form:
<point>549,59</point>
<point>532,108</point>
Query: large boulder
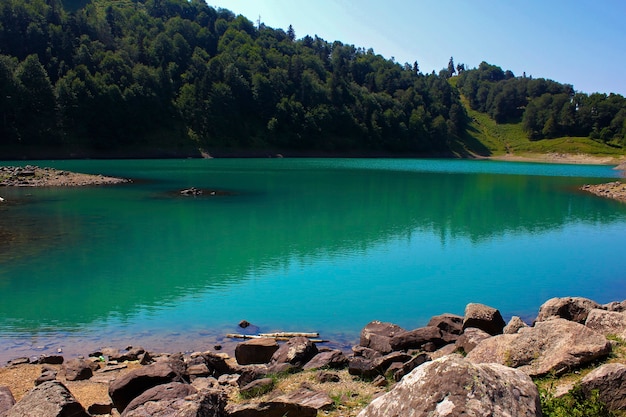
<point>255,351</point>
<point>452,386</point>
<point>415,339</point>
<point>50,399</point>
<point>6,400</point>
<point>297,351</point>
<point>129,386</point>
<point>202,404</point>
<point>170,391</point>
<point>607,322</point>
<point>329,359</point>
<point>484,318</point>
<point>610,381</point>
<point>377,335</point>
<point>553,346</point>
<point>568,308</point>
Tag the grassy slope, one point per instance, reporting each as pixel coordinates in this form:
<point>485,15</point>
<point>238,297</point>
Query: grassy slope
<point>487,138</point>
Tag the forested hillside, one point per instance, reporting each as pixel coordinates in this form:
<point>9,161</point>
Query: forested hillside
<point>121,74</point>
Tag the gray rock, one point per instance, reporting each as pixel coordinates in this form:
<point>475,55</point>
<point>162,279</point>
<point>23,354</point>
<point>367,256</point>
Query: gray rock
<point>377,335</point>
<point>452,386</point>
<point>255,351</point>
<point>6,400</point>
<point>332,359</point>
<point>607,322</point>
<point>170,391</point>
<point>296,351</point>
<point>202,404</point>
<point>366,352</point>
<point>484,318</point>
<point>610,381</point>
<point>568,308</point>
<point>50,399</point>
<point>556,345</point>
<point>514,325</point>
<point>306,397</point>
<point>416,339</point>
<point>129,386</point>
<point>470,339</point>
<point>78,370</point>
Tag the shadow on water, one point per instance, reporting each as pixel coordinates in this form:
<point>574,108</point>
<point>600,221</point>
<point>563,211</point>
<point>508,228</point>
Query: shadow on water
<point>78,257</point>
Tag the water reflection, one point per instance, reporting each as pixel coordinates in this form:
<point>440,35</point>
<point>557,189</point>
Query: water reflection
<point>131,256</point>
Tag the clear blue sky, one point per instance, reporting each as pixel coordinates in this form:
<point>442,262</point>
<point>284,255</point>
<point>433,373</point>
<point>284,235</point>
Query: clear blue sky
<point>580,42</point>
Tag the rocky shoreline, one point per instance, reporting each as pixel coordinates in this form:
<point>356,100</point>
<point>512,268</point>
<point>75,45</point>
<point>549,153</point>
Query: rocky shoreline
<point>475,363</point>
<point>34,176</point>
<point>615,190</point>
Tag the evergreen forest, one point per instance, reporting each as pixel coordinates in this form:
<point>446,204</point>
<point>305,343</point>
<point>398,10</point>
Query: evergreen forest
<point>140,74</point>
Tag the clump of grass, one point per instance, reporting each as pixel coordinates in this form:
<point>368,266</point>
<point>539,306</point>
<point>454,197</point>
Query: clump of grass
<point>573,404</point>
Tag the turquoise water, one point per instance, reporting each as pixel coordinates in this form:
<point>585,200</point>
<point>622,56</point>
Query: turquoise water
<point>295,244</point>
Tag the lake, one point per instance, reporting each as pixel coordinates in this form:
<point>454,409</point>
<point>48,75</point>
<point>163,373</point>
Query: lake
<point>323,245</point>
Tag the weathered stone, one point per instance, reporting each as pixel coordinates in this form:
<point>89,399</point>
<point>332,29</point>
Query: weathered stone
<point>607,322</point>
<point>296,351</point>
<point>415,339</point>
<point>18,361</point>
<point>255,351</point>
<point>452,386</point>
<point>366,352</point>
<point>219,363</point>
<point>6,400</point>
<point>367,368</point>
<point>50,399</point>
<point>470,339</point>
<point>161,392</point>
<point>248,374</point>
<point>451,326</point>
<point>444,351</point>
<point>307,398</point>
<point>610,381</point>
<point>47,374</point>
<point>484,318</point>
<point>201,404</point>
<point>333,359</point>
<point>408,366</point>
<point>229,379</point>
<point>615,306</point>
<point>324,376</point>
<point>568,308</point>
<point>244,323</point>
<point>302,403</point>
<point>514,325</point>
<point>78,370</point>
<point>129,386</point>
<point>257,387</point>
<point>553,346</point>
<point>50,360</point>
<point>377,335</point>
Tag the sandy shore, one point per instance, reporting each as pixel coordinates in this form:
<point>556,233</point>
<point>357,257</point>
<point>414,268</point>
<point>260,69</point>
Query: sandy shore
<point>563,158</point>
